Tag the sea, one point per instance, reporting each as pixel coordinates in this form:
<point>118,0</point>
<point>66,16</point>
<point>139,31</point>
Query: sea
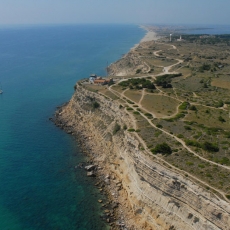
<point>204,29</point>
<point>40,187</point>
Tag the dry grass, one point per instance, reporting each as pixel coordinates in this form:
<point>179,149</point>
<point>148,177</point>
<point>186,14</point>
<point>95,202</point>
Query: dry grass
<point>160,62</point>
<point>160,105</point>
<point>133,95</point>
<point>213,175</point>
<point>185,71</point>
<point>118,88</point>
<point>209,117</point>
<point>109,94</point>
<point>198,126</point>
<point>222,82</point>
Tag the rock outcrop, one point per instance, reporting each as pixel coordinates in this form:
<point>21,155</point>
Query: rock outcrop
<point>160,197</point>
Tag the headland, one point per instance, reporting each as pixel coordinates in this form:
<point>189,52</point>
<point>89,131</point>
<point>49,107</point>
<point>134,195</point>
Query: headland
<point>158,133</point>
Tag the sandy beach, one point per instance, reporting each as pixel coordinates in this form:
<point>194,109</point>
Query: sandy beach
<point>149,36</point>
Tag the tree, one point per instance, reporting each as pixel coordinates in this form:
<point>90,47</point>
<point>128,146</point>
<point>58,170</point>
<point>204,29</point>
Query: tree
<point>210,147</point>
<point>193,107</point>
<point>163,148</point>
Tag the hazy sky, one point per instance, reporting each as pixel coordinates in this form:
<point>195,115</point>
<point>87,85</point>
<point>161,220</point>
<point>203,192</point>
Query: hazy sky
<point>115,11</point>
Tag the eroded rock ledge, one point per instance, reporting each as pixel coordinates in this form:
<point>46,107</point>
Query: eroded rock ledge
<point>159,197</point>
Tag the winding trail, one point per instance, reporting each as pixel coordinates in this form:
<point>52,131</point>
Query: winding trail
<point>175,137</point>
<point>182,142</point>
<point>166,70</point>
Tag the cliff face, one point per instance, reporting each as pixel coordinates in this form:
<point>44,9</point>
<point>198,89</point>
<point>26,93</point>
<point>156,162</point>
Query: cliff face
<point>161,197</point>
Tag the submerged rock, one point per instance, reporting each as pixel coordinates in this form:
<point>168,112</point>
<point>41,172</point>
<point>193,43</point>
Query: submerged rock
<point>91,174</point>
<point>90,167</point>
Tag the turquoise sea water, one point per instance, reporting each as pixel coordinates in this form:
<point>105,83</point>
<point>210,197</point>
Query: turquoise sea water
<point>39,186</point>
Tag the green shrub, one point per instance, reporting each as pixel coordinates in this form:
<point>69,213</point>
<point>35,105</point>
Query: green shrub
<point>225,161</point>
<point>116,128</point>
<point>131,130</point>
<point>184,105</point>
<point>193,107</point>
<point>130,102</point>
<point>163,148</point>
<point>187,127</point>
<point>221,119</point>
<point>192,143</point>
<point>227,134</point>
<point>179,115</point>
<point>165,80</point>
<point>180,136</point>
<point>96,105</point>
<point>125,127</point>
<point>201,166</point>
<point>148,114</point>
<point>159,126</point>
<point>219,104</point>
<point>204,67</point>
<point>209,175</point>
<point>210,147</point>
<point>158,133</point>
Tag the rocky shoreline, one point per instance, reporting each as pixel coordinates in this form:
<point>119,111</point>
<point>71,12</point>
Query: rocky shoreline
<point>115,211</point>
<point>142,192</point>
<point>119,213</point>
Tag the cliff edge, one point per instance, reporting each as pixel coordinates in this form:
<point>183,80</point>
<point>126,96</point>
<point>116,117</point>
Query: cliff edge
<point>151,195</point>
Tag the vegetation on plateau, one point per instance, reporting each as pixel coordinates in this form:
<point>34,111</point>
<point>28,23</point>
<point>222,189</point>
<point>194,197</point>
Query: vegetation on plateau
<point>183,114</point>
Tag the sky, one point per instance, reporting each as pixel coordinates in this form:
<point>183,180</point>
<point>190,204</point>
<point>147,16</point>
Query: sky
<point>114,11</point>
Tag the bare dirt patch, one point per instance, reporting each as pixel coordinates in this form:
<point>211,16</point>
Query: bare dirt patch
<point>222,82</point>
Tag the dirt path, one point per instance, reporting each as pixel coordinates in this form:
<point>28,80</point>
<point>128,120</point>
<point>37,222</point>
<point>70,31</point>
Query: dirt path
<point>142,96</point>
<point>166,70</point>
<point>156,53</point>
<point>174,136</point>
<point>184,145</point>
<point>194,94</point>
<point>146,162</point>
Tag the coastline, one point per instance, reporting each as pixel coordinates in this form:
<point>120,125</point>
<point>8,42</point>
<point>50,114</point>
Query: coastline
<point>119,213</point>
<point>149,36</point>
<point>124,67</point>
<point>143,192</point>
